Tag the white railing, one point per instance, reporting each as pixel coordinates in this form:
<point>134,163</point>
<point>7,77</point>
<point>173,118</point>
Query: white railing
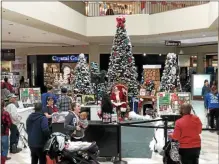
<point>94,9</point>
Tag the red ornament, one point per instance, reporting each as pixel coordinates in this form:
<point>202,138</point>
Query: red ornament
<point>115,54</point>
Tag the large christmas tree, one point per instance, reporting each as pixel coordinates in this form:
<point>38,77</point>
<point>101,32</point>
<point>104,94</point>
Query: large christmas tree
<point>170,80</point>
<point>82,81</point>
<point>122,63</point>
<point>100,87</point>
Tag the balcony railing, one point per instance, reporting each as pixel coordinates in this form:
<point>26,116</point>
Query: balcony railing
<point>94,9</point>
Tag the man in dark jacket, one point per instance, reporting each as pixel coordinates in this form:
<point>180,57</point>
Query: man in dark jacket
<point>38,133</point>
<point>205,90</point>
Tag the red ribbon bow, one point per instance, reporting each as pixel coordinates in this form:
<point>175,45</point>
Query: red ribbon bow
<point>120,22</point>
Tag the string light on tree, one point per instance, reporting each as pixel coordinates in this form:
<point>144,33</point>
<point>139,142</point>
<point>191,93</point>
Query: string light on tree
<point>122,63</point>
<point>170,80</point>
<point>82,81</point>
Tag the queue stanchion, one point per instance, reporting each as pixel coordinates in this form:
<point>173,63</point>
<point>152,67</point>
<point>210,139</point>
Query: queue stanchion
<point>120,161</point>
<point>165,129</point>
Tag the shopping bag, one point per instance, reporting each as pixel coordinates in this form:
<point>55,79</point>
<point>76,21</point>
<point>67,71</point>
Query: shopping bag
<point>49,160</point>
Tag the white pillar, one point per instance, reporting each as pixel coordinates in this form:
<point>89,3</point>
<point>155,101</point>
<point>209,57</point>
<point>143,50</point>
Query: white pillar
<point>94,53</point>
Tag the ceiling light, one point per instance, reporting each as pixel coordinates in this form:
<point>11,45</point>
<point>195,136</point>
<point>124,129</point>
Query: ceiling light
<point>203,35</point>
<point>144,54</point>
<point>27,19</point>
<point>160,54</point>
<point>11,24</point>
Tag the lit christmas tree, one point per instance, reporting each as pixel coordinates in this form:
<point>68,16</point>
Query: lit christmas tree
<point>122,63</point>
<point>82,81</point>
<point>94,69</point>
<point>170,80</point>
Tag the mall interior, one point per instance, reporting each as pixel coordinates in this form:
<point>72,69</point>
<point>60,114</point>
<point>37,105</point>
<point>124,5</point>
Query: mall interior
<point>156,53</point>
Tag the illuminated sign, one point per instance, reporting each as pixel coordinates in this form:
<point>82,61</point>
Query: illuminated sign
<point>69,58</point>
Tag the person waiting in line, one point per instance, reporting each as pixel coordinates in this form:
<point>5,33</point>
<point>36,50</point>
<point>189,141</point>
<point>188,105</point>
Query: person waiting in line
<point>22,82</point>
<point>69,93</point>
<point>71,123</point>
<point>49,109</point>
<point>16,118</point>
<point>4,92</point>
<point>212,101</point>
<point>8,85</point>
<point>205,90</point>
<point>64,102</point>
<point>5,127</point>
<point>187,132</point>
<point>49,93</point>
<point>38,133</point>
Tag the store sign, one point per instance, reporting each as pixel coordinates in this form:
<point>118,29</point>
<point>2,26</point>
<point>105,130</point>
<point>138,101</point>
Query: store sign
<point>70,58</point>
<point>172,43</point>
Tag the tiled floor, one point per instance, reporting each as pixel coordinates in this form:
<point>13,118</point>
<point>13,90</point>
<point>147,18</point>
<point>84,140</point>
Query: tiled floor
<point>209,153</point>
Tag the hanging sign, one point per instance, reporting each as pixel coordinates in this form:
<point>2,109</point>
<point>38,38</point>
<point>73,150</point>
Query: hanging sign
<point>69,58</point>
<point>172,43</point>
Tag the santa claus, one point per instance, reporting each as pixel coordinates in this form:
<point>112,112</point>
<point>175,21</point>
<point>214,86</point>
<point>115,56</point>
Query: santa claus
<point>119,100</point>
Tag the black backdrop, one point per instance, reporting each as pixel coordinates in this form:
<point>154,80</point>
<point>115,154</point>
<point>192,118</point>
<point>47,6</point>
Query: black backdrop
<point>140,60</point>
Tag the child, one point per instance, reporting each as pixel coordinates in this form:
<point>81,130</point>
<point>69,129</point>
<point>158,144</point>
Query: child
<point>83,124</point>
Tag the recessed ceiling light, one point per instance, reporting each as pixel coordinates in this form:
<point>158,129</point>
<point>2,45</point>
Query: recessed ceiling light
<point>27,19</point>
<point>9,33</point>
<point>144,54</point>
<point>3,11</point>
<point>160,54</point>
<point>11,24</point>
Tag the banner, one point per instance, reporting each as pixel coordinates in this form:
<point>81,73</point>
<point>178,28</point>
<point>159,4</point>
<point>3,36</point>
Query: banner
<point>30,95</point>
<point>169,103</point>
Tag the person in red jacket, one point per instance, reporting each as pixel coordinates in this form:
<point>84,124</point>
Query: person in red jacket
<point>187,132</point>
<point>8,85</point>
<point>5,127</point>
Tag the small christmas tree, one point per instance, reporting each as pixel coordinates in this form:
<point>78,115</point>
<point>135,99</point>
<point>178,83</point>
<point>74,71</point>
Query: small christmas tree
<point>82,81</point>
<point>170,80</point>
<point>122,63</point>
<point>94,68</point>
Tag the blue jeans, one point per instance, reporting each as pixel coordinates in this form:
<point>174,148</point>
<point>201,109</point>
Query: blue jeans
<point>5,146</point>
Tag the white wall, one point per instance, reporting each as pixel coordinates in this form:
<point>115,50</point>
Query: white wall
<point>68,20</point>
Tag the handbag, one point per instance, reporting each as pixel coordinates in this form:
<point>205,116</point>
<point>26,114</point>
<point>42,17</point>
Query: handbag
<point>174,152</point>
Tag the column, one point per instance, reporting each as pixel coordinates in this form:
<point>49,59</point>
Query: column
<point>200,63</point>
<point>94,53</point>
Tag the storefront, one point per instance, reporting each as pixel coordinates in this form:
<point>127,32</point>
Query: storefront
<point>13,67</point>
<point>51,69</point>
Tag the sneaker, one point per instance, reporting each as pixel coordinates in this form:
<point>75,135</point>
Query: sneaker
<point>14,149</point>
<point>8,158</point>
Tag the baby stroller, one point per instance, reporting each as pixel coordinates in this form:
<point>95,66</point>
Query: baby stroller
<point>71,152</point>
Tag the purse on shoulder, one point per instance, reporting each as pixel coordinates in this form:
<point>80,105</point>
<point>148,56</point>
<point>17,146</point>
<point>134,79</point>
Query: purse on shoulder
<point>174,152</point>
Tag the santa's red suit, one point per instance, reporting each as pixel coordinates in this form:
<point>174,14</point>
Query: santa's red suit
<point>120,97</point>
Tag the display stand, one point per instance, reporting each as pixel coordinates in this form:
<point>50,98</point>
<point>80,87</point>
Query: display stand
<point>169,103</point>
